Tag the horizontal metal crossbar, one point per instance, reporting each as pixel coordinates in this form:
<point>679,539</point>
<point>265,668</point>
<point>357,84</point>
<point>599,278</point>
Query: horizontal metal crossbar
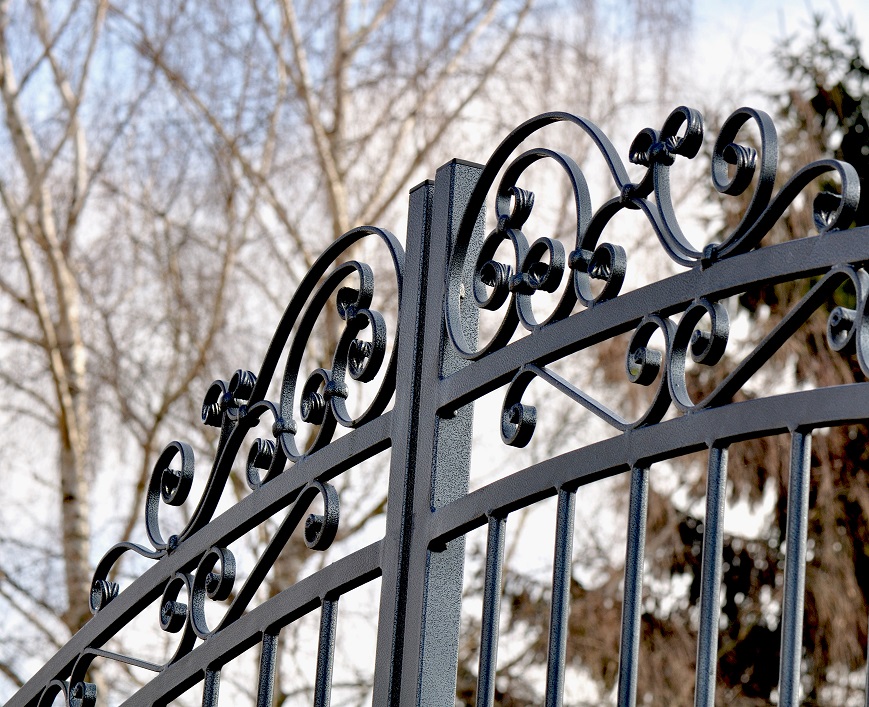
<point>763,417</point>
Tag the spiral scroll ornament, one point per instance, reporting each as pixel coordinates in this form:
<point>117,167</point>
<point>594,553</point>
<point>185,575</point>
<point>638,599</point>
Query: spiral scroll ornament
<point>318,400</point>
<point>597,268</point>
<point>702,335</point>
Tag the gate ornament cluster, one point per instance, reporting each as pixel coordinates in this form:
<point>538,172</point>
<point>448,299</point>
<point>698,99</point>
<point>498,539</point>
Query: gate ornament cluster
<point>450,271</point>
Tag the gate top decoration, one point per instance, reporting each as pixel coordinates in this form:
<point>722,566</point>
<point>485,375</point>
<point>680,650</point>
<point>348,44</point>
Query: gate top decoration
<point>431,369</point>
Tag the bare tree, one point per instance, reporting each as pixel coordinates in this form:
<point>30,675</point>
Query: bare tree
<point>88,233</point>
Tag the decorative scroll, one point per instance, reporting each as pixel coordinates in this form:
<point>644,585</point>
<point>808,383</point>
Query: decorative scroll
<point>847,333</point>
<point>320,400</point>
<point>542,265</point>
<point>182,608</point>
<point>596,270</point>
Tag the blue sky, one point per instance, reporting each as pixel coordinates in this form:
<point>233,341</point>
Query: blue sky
<point>730,53</point>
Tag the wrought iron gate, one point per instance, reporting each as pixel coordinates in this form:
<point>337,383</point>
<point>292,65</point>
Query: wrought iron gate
<point>430,377</point>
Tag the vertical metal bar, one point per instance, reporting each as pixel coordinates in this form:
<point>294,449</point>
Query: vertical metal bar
<point>211,688</point>
<point>710,578</point>
<point>491,613</point>
<point>795,570</point>
<point>267,665</point>
<point>326,653</point>
<point>632,607</point>
<point>558,626</point>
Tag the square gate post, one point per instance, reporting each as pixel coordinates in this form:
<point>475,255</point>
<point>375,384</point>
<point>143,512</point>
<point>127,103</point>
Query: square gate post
<point>421,594</point>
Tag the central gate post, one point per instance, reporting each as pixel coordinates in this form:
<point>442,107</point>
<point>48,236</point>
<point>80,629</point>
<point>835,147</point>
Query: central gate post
<point>421,593</point>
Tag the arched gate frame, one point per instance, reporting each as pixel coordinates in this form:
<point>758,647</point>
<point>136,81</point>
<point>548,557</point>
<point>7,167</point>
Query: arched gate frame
<point>435,370</point>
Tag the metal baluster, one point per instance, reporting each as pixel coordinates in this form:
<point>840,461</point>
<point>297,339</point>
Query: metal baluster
<point>632,607</point>
<point>558,626</point>
<point>267,663</point>
<point>491,613</point>
<point>211,688</point>
<point>710,578</point>
<point>795,570</point>
<point>326,653</point>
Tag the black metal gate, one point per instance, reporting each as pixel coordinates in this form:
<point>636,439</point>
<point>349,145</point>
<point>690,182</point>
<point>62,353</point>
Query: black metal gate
<point>430,378</point>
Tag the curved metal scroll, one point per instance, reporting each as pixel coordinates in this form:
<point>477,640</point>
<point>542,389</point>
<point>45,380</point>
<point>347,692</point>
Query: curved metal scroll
<point>541,266</point>
<point>319,400</point>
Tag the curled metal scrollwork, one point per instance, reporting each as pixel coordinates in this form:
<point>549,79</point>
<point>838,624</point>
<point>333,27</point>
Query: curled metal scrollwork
<point>847,332</point>
<point>170,486</point>
<point>597,269</point>
<point>705,347</point>
<point>318,399</point>
<point>182,607</point>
